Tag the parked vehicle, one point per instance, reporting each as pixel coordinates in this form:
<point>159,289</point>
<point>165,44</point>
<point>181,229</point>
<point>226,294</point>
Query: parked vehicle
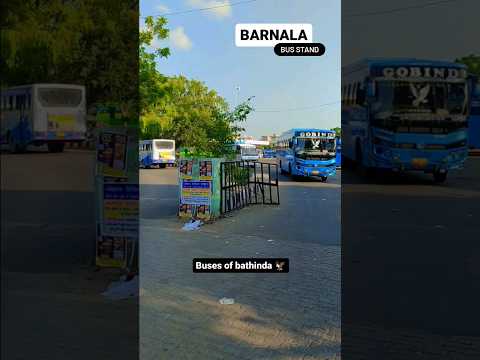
<point>38,114</point>
<point>156,152</point>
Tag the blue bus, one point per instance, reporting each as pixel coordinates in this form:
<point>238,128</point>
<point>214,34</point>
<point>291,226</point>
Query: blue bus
<point>474,119</point>
<point>269,154</point>
<point>406,114</point>
<point>307,152</point>
<point>339,152</point>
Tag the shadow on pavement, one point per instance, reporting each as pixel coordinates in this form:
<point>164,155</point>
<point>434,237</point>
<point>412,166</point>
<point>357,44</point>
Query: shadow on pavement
<point>410,253</point>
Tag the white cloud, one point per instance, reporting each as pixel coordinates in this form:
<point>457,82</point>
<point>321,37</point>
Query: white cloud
<point>220,8</point>
<point>179,39</point>
<point>162,8</point>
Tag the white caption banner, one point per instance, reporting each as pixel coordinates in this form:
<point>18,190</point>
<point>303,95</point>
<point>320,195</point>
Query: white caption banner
<point>268,35</point>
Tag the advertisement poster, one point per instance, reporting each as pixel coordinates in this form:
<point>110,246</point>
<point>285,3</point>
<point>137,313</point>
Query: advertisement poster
<point>186,169</point>
<point>120,209</point>
<point>111,251</point>
<point>111,154</point>
<point>196,192</point>
<point>205,168</point>
<point>194,211</point>
<point>185,210</point>
<point>61,123</point>
<point>203,212</point>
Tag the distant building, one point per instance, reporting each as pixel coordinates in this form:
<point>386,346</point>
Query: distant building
<point>270,138</point>
<point>251,140</point>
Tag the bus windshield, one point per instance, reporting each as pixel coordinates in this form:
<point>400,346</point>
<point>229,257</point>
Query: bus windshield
<point>249,151</point>
<point>314,148</point>
<point>164,145</point>
<point>58,97</point>
<point>420,97</point>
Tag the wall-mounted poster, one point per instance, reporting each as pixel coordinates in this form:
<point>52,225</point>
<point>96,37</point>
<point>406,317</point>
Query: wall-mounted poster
<point>112,153</point>
<point>185,210</point>
<point>196,192</point>
<point>203,212</point>
<point>111,251</point>
<point>186,169</point>
<point>120,209</point>
<point>205,170</point>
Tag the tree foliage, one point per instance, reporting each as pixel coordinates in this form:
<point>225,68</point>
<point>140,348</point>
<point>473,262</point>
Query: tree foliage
<point>151,82</point>
<point>472,62</point>
<point>86,42</point>
<point>338,131</point>
<point>195,116</point>
<point>186,110</point>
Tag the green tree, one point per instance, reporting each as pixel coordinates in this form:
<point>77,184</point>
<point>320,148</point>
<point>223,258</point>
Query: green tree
<point>179,108</point>
<point>195,116</point>
<point>152,86</point>
<point>89,42</point>
<point>472,62</point>
<point>338,131</point>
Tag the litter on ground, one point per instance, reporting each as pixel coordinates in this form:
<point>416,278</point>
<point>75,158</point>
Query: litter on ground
<point>226,301</point>
<point>192,225</point>
<point>120,290</point>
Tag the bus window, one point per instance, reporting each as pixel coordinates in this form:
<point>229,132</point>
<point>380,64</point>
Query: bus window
<point>51,97</point>
<point>163,145</point>
<point>20,102</point>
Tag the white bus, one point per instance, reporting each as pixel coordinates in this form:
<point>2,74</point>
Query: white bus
<point>38,114</point>
<point>247,152</point>
<point>156,152</point>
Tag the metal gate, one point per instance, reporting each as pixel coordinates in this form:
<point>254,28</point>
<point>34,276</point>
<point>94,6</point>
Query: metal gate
<point>244,183</point>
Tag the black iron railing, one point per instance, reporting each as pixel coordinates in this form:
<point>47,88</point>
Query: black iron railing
<point>244,183</point>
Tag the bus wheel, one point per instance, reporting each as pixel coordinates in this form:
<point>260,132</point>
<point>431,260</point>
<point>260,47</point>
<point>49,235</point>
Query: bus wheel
<point>55,147</point>
<point>439,177</point>
<point>323,179</point>
<point>162,166</point>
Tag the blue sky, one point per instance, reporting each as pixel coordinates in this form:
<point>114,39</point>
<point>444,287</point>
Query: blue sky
<point>203,47</point>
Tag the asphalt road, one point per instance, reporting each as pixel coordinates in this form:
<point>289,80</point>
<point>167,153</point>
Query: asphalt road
<point>52,306</point>
<point>47,198</point>
<point>275,316</point>
<point>411,265</point>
